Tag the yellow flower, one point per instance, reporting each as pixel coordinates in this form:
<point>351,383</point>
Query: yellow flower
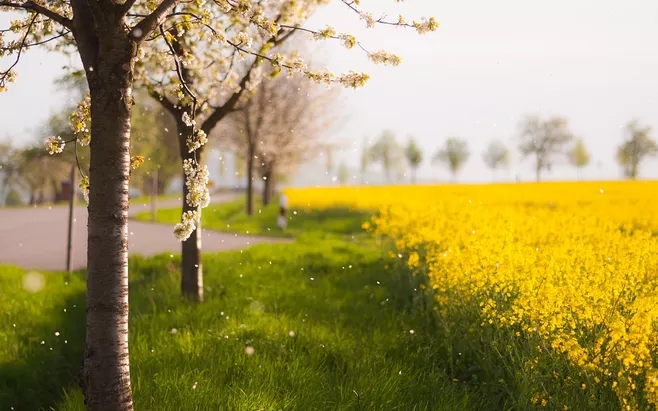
<point>569,267</point>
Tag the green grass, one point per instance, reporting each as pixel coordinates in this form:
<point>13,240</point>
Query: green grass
<point>147,199</point>
<point>351,346</point>
<point>302,224</point>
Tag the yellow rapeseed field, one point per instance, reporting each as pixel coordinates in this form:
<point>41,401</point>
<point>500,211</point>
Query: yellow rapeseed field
<point>561,279</point>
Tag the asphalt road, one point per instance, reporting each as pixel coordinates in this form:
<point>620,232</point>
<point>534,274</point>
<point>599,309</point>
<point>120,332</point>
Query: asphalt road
<point>35,238</point>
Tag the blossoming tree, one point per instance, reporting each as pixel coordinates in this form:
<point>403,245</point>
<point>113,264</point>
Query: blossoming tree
<point>111,38</point>
<point>208,82</point>
<point>284,123</point>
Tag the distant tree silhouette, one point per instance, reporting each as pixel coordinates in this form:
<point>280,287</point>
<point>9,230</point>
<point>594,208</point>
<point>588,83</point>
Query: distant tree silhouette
<point>453,154</point>
<point>414,156</point>
<point>387,152</point>
<point>635,149</point>
<point>544,140</point>
<point>343,173</point>
<point>579,156</point>
<point>496,156</point>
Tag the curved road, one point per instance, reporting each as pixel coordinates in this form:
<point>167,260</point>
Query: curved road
<point>35,238</point>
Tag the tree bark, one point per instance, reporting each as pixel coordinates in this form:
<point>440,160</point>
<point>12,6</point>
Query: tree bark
<point>538,173</point>
<point>268,185</point>
<point>191,267</point>
<point>250,179</point>
<point>106,371</point>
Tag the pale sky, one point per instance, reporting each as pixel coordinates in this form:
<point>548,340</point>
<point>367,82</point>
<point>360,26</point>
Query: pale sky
<point>490,62</point>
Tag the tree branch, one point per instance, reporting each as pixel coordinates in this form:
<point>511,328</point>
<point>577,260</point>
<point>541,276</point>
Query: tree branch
<point>125,7</point>
<point>179,72</point>
<point>6,75</point>
<point>220,112</point>
<point>230,105</point>
<point>149,23</point>
<point>32,6</point>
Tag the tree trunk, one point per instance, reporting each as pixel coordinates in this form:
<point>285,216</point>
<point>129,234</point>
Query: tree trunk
<point>191,267</point>
<point>106,371</point>
<point>268,186</point>
<point>57,195</point>
<point>538,173</point>
<point>250,180</point>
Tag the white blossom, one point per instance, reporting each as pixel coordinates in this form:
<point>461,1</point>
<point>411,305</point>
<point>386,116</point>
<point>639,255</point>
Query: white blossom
<point>84,186</point>
<point>384,57</point>
<point>196,140</point>
<point>196,181</point>
<point>187,119</point>
<point>186,227</point>
<point>55,145</point>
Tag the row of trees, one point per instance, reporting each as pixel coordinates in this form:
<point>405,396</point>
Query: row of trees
<point>546,142</point>
<point>284,123</point>
<point>198,60</point>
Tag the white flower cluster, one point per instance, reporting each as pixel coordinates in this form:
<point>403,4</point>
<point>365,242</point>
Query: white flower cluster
<point>296,65</point>
<point>187,119</point>
<point>55,145</point>
<point>188,224</point>
<point>196,140</point>
<point>325,33</point>
<point>350,79</point>
<point>196,180</point>
<point>348,40</point>
<point>424,26</point>
<point>353,79</point>
<point>198,196</point>
<point>243,39</point>
<point>370,21</point>
<point>198,137</point>
<point>84,186</point>
<point>80,121</point>
<point>277,59</point>
<point>384,57</point>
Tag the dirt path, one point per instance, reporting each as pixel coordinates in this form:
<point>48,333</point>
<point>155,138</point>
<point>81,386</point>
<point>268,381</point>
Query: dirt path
<point>35,238</point>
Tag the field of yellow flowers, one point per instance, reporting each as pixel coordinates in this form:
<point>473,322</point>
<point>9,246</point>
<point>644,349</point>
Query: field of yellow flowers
<point>548,292</point>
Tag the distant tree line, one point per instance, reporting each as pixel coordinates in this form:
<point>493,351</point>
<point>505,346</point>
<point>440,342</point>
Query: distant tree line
<point>545,141</point>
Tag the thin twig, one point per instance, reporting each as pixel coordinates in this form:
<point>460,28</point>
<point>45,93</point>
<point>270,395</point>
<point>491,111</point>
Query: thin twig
<point>5,74</point>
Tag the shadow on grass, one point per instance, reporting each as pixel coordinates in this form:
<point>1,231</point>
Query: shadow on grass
<point>44,345</point>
